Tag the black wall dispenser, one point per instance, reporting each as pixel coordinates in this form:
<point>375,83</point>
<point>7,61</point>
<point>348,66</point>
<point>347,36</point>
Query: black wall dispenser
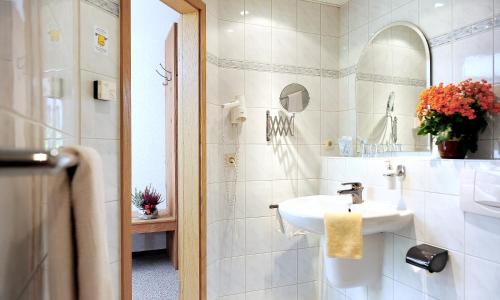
<point>427,257</point>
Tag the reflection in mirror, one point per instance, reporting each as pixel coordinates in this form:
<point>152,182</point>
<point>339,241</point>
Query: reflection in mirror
<point>392,71</point>
<point>294,98</point>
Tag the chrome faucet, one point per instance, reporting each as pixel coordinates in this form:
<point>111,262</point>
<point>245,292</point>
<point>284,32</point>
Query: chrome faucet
<point>356,191</point>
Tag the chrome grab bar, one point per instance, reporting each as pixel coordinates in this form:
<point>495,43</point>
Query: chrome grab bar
<point>34,162</point>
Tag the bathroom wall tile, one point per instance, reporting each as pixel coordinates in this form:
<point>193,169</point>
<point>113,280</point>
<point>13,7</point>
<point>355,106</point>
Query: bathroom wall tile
<point>482,236</point>
<point>213,84</point>
<point>308,128</point>
<point>284,268</point>
<point>212,7</point>
<point>91,60</point>
<point>329,52</point>
<point>284,293</point>
<point>284,162</point>
<point>99,119</point>
<point>307,264</point>
<point>258,235</point>
<point>443,176</point>
<point>349,119</point>
<point>344,51</point>
<point>231,10</point>
<point>281,241</point>
<point>364,97</point>
<point>415,202</point>
<point>377,24</point>
<point>378,8</point>
<point>258,43</point>
<point>232,279</point>
<point>259,12</point>
<point>496,54</point>
<point>308,17</point>
<point>258,87</point>
<point>335,294</point>
<point>258,198</point>
<point>309,161</point>
<point>464,13</point>
<point>357,293</point>
<point>115,281</point>
<point>308,187</point>
<point>448,284</point>
<point>214,123</point>
<point>284,14</point>
<point>330,20</point>
<point>256,123</point>
<point>408,12</point>
<point>358,13</point>
<point>231,40</point>
<point>472,57</point>
<point>112,230</point>
<point>481,278</point>
<point>382,289</point>
<point>284,189</point>
<point>213,243</point>
<point>234,297</point>
<point>258,272</point>
<point>357,41</point>
<point>436,17</point>
<point>309,290</point>
<point>260,294</point>
<point>109,150</point>
<point>404,272</point>
<point>344,19</point>
<point>284,46</point>
<point>212,36</point>
<point>442,60</point>
<point>231,84</point>
<point>308,50</point>
<point>402,291</point>
<point>329,94</point>
<point>444,220</point>
<point>232,238</point>
<point>214,163</point>
<point>329,127</point>
<point>263,155</point>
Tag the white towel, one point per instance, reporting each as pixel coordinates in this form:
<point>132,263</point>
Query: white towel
<point>78,263</point>
<point>286,228</point>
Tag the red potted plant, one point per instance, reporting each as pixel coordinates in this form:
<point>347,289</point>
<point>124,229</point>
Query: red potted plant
<point>455,115</point>
<point>146,201</point>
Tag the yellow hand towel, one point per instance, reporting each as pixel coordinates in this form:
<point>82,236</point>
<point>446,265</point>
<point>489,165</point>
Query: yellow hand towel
<point>344,235</point>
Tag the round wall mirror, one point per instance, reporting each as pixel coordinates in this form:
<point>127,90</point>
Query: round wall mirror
<point>294,98</point>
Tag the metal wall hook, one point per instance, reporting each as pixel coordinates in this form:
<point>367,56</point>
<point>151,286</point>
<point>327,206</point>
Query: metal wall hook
<point>167,75</point>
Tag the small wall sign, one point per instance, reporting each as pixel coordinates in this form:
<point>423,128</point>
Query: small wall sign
<point>101,37</point>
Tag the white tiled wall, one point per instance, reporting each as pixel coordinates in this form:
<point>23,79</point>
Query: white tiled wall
<point>463,56</point>
<point>431,191</point>
<point>247,40</point>
<point>40,39</point>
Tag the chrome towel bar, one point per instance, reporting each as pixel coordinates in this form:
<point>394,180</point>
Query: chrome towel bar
<point>32,162</point>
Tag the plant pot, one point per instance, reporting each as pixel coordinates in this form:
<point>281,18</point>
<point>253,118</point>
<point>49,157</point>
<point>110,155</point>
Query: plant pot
<point>144,215</point>
<point>452,150</point>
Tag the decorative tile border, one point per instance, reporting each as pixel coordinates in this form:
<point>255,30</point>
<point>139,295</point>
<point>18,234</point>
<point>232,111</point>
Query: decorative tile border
<point>465,31</point>
<point>267,67</point>
<point>390,79</point>
<point>113,7</point>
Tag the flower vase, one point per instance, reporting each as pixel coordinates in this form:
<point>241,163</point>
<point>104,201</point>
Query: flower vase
<point>148,215</point>
<point>453,149</point>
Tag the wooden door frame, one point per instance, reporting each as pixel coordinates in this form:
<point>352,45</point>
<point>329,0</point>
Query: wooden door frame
<point>192,275</point>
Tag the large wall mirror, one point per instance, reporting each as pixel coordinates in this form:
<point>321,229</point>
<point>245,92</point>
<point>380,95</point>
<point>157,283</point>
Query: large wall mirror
<point>392,71</point>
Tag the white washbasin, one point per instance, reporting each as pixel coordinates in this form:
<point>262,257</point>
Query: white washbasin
<point>307,214</point>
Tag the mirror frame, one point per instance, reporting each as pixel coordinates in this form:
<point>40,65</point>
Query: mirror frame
<point>428,63</point>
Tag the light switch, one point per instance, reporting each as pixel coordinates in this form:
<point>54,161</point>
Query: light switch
<point>104,90</point>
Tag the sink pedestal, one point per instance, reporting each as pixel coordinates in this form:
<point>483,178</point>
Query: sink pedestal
<point>343,273</point>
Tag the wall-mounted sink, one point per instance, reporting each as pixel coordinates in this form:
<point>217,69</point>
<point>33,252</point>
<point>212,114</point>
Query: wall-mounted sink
<point>307,214</point>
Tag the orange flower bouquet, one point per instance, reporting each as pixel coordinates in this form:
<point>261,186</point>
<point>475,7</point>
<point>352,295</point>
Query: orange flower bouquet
<point>455,114</point>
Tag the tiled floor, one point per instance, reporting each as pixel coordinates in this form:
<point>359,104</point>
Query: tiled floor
<point>154,277</point>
